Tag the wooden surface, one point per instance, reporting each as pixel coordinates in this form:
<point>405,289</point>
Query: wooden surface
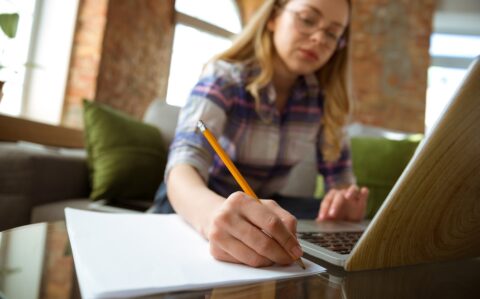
<point>16,129</point>
<point>434,214</point>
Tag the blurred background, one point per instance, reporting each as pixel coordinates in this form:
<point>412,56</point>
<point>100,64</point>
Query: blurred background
<point>408,57</point>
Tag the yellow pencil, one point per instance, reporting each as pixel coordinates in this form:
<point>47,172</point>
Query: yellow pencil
<point>232,168</point>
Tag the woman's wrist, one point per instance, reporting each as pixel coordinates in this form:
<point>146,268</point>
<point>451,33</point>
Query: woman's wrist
<point>208,214</point>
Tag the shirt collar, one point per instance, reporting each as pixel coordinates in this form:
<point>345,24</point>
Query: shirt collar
<point>306,83</point>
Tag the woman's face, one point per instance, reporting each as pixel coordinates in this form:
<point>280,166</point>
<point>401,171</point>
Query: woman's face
<point>306,33</point>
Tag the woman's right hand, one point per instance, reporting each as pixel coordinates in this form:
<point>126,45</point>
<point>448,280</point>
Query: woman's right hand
<point>243,231</point>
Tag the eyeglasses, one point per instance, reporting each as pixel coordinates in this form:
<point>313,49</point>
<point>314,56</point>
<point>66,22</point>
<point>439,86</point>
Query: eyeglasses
<point>309,22</point>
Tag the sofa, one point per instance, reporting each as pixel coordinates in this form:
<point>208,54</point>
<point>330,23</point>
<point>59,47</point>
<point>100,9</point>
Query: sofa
<point>38,182</point>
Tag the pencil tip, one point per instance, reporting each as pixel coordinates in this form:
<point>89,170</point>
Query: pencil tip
<point>301,264</point>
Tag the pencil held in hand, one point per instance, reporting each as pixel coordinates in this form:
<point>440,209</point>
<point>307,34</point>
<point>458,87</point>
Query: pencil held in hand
<point>224,157</point>
<point>232,168</point>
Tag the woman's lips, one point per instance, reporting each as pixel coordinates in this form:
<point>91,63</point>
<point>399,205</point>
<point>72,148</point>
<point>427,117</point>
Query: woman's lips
<point>309,54</point>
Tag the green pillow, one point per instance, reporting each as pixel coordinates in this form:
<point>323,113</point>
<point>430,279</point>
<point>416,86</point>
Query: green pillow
<point>378,163</point>
<point>126,157</point>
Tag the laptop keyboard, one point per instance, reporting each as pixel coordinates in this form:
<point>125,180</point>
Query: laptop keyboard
<point>339,242</point>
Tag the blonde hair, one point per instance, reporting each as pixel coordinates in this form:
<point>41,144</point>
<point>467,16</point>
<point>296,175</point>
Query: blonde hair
<point>253,45</point>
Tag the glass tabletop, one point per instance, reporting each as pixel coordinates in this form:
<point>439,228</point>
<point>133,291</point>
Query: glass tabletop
<point>36,262</point>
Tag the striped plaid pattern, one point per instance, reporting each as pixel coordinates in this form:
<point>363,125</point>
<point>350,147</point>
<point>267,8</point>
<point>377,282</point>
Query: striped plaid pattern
<point>264,146</point>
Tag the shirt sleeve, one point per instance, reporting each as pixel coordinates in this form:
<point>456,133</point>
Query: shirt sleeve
<point>210,102</point>
<point>338,173</point>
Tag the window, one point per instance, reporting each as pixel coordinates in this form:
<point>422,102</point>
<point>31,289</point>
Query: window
<point>14,54</point>
<point>39,56</point>
<point>451,55</point>
<point>200,33</point>
<point>42,48</point>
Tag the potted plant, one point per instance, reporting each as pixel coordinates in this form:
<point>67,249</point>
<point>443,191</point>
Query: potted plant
<point>8,25</point>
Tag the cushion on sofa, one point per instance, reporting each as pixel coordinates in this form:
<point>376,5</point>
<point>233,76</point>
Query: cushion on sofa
<point>126,157</point>
<point>163,116</point>
<point>378,163</point>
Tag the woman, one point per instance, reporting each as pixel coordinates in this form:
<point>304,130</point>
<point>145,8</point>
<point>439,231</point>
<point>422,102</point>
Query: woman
<point>277,91</point>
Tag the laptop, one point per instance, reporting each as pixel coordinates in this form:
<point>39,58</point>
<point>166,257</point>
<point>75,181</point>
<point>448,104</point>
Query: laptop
<point>433,211</point>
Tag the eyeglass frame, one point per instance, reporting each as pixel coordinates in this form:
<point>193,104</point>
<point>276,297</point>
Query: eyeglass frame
<point>340,43</point>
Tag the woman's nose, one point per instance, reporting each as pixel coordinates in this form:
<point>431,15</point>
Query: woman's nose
<point>319,36</point>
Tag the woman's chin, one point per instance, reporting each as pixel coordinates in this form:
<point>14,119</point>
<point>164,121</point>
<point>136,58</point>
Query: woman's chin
<point>303,68</point>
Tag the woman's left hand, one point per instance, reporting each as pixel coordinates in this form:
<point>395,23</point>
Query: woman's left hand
<point>344,204</point>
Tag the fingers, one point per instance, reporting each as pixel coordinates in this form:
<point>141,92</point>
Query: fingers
<point>344,204</point>
<point>254,234</point>
<point>331,206</point>
<point>364,192</point>
<point>336,207</point>
<point>325,205</point>
<point>221,255</point>
<point>270,223</point>
<point>226,248</point>
<point>261,243</point>
<point>352,192</point>
<point>288,219</point>
<point>361,207</point>
<point>357,205</point>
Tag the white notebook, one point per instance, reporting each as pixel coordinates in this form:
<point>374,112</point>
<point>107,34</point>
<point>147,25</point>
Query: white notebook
<point>125,255</point>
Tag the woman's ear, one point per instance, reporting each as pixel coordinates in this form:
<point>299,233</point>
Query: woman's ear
<point>271,23</point>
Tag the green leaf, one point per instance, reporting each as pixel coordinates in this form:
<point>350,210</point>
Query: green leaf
<point>9,24</point>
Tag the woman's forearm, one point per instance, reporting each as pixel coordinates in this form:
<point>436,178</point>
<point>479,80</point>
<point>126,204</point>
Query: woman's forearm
<point>191,198</point>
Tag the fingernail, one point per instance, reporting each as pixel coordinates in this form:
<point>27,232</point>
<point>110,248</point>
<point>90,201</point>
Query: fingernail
<point>297,251</point>
<point>331,212</point>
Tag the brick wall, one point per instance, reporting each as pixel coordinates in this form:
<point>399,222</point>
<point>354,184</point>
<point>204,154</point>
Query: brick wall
<point>390,59</point>
<point>120,57</point>
<point>85,59</point>
<point>136,54</point>
<point>129,68</point>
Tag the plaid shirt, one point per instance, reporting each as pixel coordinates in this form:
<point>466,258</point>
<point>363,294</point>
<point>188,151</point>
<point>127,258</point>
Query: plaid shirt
<point>264,146</point>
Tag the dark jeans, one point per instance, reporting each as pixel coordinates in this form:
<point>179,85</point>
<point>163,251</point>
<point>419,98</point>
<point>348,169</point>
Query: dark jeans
<point>302,208</point>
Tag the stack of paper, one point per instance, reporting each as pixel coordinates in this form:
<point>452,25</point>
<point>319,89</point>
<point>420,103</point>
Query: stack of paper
<point>124,255</point>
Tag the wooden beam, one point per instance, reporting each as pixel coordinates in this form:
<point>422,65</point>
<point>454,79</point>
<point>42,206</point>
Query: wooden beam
<point>18,129</point>
<point>202,25</point>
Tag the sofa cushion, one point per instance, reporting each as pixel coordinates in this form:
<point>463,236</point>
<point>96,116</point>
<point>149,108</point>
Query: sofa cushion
<point>164,117</point>
<point>126,157</point>
<point>379,158</point>
<point>378,162</point>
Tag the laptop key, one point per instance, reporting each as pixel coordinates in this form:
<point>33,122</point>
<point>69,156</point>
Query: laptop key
<point>340,242</point>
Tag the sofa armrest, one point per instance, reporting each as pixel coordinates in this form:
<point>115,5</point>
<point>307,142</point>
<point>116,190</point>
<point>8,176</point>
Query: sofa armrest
<point>31,176</point>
